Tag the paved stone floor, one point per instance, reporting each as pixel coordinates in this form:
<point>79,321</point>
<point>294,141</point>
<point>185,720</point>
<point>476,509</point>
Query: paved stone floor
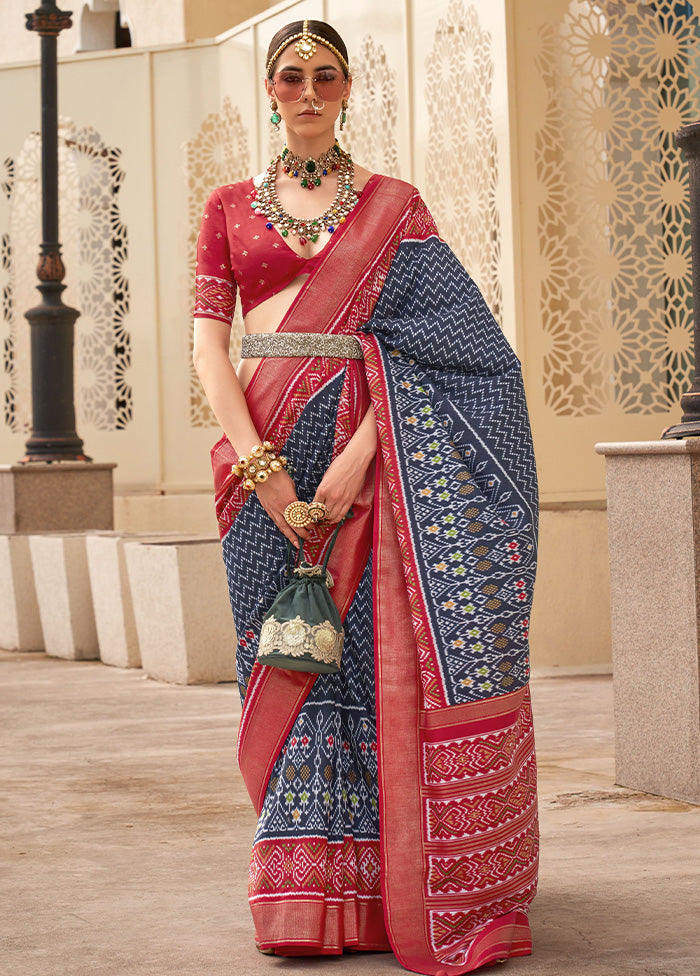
<point>126,829</point>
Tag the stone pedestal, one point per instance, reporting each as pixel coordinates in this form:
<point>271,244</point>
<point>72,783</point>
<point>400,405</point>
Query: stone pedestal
<point>20,624</point>
<point>654,537</point>
<point>182,610</point>
<point>111,594</point>
<point>111,597</point>
<point>65,599</point>
<point>63,495</point>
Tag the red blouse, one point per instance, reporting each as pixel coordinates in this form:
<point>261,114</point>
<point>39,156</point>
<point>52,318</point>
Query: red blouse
<point>237,249</point>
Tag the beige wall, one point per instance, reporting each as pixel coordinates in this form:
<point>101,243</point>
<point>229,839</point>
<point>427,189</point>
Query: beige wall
<point>571,608</point>
<point>207,18</point>
<point>151,23</point>
<point>154,22</point>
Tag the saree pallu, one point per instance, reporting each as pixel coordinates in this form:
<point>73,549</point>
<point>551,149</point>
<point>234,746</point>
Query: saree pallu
<point>397,800</point>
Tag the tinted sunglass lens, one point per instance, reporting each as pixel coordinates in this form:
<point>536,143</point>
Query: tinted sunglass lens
<point>330,89</point>
<point>291,88</point>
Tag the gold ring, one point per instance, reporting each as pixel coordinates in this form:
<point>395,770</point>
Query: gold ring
<point>317,512</point>
<point>296,514</point>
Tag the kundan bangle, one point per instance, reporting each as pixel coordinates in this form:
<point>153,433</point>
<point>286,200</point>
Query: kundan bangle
<point>257,467</point>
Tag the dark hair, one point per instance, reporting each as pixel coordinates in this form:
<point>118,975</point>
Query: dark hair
<point>318,27</point>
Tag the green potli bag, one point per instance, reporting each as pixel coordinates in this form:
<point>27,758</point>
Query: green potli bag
<point>302,630</point>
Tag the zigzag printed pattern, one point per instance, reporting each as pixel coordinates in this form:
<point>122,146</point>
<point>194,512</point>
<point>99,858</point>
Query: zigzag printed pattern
<point>254,585</point>
<point>461,817</point>
<point>325,779</point>
<point>458,453</point>
<point>458,760</point>
<point>483,869</point>
<point>309,381</point>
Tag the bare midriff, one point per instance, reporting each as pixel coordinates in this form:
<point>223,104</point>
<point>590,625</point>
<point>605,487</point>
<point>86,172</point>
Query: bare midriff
<point>266,317</point>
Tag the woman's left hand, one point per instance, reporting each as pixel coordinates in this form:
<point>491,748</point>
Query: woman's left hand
<point>341,484</point>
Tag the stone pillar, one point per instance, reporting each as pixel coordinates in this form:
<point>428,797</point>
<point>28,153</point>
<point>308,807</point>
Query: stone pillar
<point>654,539</point>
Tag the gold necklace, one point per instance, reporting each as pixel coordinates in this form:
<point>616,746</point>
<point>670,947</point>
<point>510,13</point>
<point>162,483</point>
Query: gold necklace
<point>267,204</point>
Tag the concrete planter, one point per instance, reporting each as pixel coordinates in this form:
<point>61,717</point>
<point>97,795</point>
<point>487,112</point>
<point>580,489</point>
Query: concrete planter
<point>20,623</point>
<point>63,592</point>
<point>182,610</point>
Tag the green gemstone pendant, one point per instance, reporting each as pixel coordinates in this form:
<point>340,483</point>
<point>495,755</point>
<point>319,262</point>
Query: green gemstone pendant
<point>275,118</point>
<point>310,166</point>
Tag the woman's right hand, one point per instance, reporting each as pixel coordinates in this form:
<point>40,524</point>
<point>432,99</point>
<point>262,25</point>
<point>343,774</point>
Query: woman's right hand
<point>274,495</point>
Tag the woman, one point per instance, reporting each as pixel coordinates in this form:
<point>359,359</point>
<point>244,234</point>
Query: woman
<point>396,799</point>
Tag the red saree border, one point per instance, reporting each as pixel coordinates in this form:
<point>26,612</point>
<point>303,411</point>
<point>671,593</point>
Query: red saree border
<point>473,718</point>
<point>430,667</point>
<point>357,925</point>
<point>400,807</point>
<point>502,938</point>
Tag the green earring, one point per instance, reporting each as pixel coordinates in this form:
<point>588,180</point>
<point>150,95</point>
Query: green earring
<point>344,114</point>
<point>275,118</point>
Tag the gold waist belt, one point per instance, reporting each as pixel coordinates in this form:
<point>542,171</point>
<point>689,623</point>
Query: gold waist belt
<point>257,345</point>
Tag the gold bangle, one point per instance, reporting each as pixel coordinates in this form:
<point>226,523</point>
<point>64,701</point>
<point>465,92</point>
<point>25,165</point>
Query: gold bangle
<point>255,468</point>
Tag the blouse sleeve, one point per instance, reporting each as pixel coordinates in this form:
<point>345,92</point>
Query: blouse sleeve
<point>215,287</point>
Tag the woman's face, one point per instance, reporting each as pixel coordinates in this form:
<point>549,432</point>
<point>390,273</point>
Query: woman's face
<point>317,103</point>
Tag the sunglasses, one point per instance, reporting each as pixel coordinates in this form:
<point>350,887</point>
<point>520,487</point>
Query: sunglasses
<point>327,84</point>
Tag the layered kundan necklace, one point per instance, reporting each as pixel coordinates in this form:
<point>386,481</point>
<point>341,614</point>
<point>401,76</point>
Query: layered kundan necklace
<point>267,204</point>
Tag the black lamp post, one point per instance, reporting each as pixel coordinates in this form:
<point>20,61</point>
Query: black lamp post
<point>53,437</point>
<point>688,139</point>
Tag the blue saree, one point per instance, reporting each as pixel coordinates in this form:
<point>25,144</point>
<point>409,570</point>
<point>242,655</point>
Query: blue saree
<point>397,799</point>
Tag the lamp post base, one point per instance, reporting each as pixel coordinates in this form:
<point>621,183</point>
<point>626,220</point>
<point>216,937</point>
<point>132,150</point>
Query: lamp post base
<point>691,428</point>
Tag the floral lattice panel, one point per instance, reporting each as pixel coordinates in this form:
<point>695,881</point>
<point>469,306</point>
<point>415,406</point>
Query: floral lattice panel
<point>216,155</point>
<point>370,133</point>
<point>7,374</point>
<point>613,224</point>
<point>95,251</point>
<point>461,163</point>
